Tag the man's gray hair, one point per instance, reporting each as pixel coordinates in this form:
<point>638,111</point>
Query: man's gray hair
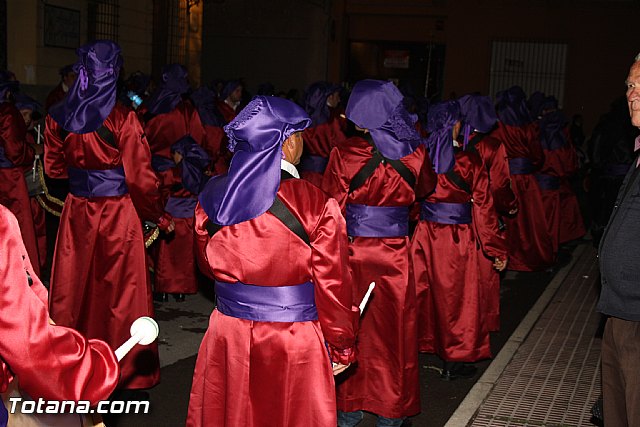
<point>637,57</point>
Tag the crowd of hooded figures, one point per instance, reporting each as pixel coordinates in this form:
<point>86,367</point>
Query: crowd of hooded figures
<point>290,210</point>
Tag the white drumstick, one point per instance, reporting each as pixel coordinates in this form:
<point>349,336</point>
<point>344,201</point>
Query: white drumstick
<point>143,331</point>
<point>365,300</point>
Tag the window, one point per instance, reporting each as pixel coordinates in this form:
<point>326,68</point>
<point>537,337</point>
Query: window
<point>534,66</point>
<point>103,20</point>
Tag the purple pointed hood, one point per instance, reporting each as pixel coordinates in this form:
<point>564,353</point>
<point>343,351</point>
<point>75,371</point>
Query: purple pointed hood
<point>93,94</point>
<point>440,121</point>
<point>376,105</point>
<point>205,102</point>
<point>8,83</point>
<point>255,136</point>
<point>315,101</point>
<point>174,84</point>
<point>477,113</point>
<point>511,107</point>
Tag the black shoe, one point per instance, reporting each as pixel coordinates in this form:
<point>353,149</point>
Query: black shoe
<point>454,370</point>
<point>160,296</point>
<point>179,297</point>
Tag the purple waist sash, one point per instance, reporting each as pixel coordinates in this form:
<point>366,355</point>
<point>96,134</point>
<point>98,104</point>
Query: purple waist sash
<point>4,162</point>
<point>267,303</point>
<point>377,221</point>
<point>446,213</point>
<point>181,207</point>
<point>312,163</point>
<point>548,182</point>
<point>97,183</point>
<point>616,169</point>
<point>520,166</point>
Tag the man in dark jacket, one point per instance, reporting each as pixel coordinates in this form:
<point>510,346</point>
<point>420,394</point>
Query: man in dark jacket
<point>620,295</point>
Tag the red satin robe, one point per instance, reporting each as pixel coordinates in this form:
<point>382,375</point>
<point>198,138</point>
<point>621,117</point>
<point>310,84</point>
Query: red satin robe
<point>39,218</point>
<point>55,96</point>
<point>215,144</point>
<point>13,187</point>
<point>529,242</point>
<point>494,158</point>
<point>174,254</point>
<point>319,141</point>
<point>446,259</point>
<point>250,373</point>
<point>561,203</point>
<point>50,362</point>
<point>99,279</point>
<point>385,380</point>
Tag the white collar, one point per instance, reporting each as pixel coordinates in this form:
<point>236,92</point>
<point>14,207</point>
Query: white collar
<point>289,167</point>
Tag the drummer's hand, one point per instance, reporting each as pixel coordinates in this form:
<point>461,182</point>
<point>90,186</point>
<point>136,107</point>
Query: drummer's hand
<point>171,226</point>
<point>339,368</point>
<point>51,322</point>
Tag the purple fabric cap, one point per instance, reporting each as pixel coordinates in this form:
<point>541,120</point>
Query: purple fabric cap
<point>65,70</point>
<point>535,104</point>
<point>440,121</point>
<point>315,101</point>
<point>93,94</point>
<point>511,107</point>
<point>552,135</point>
<point>205,102</point>
<point>376,105</point>
<point>255,136</point>
<point>8,83</point>
<point>25,102</point>
<point>478,113</point>
<point>169,94</point>
<point>228,88</point>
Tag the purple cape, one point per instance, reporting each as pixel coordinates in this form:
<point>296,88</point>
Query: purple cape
<point>315,101</point>
<point>93,94</point>
<point>512,108</point>
<point>377,106</point>
<point>440,121</point>
<point>169,94</point>
<point>255,136</point>
<point>477,113</point>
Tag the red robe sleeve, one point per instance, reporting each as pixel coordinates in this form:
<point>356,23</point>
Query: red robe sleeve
<point>142,181</point>
<point>13,136</point>
<point>335,181</point>
<point>500,180</point>
<point>52,362</point>
<point>332,279</point>
<point>485,217</point>
<point>55,165</point>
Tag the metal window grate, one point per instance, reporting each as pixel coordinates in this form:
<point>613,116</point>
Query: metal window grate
<point>177,47</point>
<point>103,19</point>
<point>535,66</point>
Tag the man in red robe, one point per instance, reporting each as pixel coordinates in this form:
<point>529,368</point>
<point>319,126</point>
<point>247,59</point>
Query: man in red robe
<point>478,121</point>
<point>230,99</point>
<point>48,361</point>
<point>375,177</point>
<point>16,154</point>
<point>277,249</point>
<point>169,121</point>
<point>564,220</point>
<point>458,228</point>
<point>99,278</point>
<point>529,242</point>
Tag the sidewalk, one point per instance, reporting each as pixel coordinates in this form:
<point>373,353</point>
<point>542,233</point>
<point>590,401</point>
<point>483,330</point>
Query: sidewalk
<point>548,373</point>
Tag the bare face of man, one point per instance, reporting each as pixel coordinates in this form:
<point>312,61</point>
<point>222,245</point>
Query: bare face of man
<point>633,93</point>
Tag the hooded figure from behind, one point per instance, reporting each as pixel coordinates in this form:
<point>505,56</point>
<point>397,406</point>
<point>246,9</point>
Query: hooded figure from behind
<point>283,287</point>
